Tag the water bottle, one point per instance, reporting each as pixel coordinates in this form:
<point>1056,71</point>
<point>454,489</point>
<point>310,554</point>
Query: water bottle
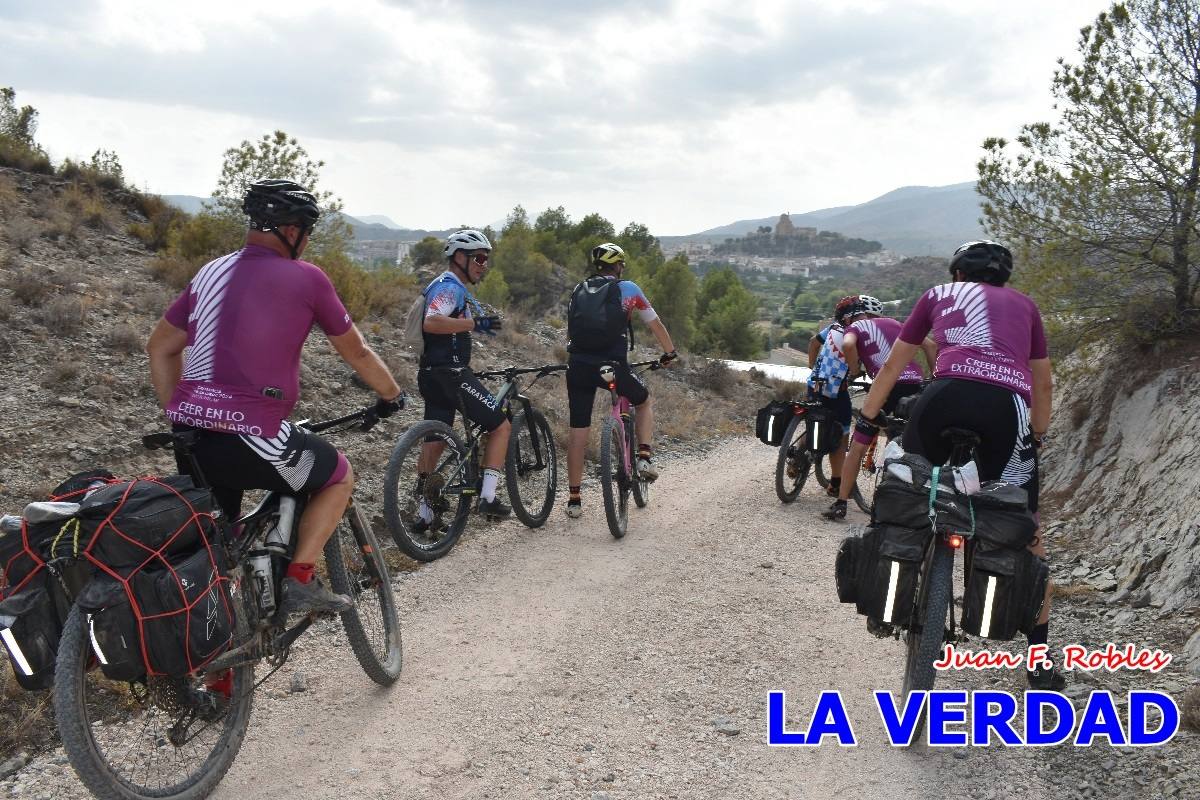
<point>280,537</point>
<point>260,567</point>
<point>10,524</point>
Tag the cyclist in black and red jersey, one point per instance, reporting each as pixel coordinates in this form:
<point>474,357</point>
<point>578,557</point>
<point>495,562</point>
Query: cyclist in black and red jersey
<point>992,377</point>
<point>225,361</point>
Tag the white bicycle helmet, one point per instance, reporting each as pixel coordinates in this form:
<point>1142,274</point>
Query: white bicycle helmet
<point>870,305</point>
<point>607,255</point>
<point>465,240</point>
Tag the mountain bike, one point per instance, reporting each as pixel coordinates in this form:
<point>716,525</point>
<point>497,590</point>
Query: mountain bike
<point>797,457</point>
<point>820,462</point>
<point>619,476</point>
<point>444,489</point>
<point>177,737</point>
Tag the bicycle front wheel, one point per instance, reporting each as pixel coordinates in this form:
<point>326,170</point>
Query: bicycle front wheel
<point>614,484</point>
<point>924,641</point>
<point>791,468</point>
<point>356,568</point>
<point>869,472</point>
<point>531,468</point>
<point>427,492</point>
<point>641,488</point>
<point>160,738</point>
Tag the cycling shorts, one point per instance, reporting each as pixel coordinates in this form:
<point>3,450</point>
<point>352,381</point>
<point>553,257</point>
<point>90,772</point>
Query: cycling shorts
<point>450,389</point>
<point>1000,417</point>
<point>293,462</point>
<point>863,433</point>
<point>583,379</point>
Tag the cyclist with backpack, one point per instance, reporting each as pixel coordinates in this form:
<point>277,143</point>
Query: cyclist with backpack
<point>992,376</point>
<point>225,361</point>
<point>599,331</point>
<point>868,341</point>
<point>449,315</point>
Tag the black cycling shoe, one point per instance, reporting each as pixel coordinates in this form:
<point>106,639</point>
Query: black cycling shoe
<point>880,629</point>
<point>310,598</point>
<point>494,510</point>
<point>1048,679</point>
<point>835,512</point>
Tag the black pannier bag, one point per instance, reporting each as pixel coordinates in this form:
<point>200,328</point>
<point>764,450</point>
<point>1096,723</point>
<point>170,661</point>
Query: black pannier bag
<point>132,523</point>
<point>1005,591</point>
<point>113,629</point>
<point>187,614</point>
<point>889,561</point>
<point>30,629</point>
<point>822,431</point>
<point>1002,517</point>
<point>160,621</point>
<point>772,420</point>
<point>846,567</point>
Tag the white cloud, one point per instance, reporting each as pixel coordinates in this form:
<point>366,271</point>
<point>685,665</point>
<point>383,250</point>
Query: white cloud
<point>683,115</point>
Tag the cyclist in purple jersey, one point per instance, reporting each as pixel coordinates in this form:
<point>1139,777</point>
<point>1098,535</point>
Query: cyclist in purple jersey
<point>225,361</point>
<point>445,379</point>
<point>867,341</point>
<point>992,376</point>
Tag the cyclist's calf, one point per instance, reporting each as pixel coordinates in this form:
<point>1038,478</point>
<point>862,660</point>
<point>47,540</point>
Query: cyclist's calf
<point>322,514</point>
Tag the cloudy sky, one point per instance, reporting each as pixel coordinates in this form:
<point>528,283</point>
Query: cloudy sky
<point>682,115</point>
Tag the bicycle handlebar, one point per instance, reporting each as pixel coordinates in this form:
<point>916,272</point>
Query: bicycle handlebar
<point>511,372</point>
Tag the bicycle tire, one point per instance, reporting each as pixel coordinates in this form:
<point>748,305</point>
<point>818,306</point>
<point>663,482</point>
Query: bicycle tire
<point>923,643</point>
<point>533,510</point>
<point>399,504</point>
<point>641,488</point>
<point>74,674</point>
<point>357,569</point>
<point>613,485</point>
<point>788,488</point>
<point>863,490</point>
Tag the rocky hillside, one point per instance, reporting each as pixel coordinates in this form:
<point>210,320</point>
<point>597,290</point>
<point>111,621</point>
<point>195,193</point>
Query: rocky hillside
<point>1121,469</point>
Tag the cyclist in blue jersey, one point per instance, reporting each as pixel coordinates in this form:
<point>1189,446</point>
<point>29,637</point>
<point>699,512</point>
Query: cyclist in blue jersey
<point>829,379</point>
<point>445,379</point>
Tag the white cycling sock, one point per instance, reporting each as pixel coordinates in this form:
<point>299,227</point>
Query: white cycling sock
<point>425,512</point>
<point>491,478</point>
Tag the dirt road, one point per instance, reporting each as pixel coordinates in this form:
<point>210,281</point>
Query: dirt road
<point>564,663</point>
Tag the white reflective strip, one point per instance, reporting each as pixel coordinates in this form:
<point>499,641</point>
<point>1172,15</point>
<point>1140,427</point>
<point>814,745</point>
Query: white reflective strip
<point>889,605</point>
<point>95,644</point>
<point>988,596</point>
<point>15,649</point>
<point>816,435</point>
<point>771,428</point>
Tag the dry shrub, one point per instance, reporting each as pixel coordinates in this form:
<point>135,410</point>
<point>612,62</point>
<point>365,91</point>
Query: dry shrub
<point>29,289</point>
<point>63,315</point>
<point>61,224</point>
<point>716,376</point>
<point>1189,708</point>
<point>61,374</point>
<point>123,338</point>
<point>22,233</point>
<point>161,219</point>
<point>26,718</point>
<point>8,196</point>
<point>174,270</point>
<point>45,203</point>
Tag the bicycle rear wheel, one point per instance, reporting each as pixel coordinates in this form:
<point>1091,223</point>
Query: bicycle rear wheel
<point>868,477</point>
<point>531,468</point>
<point>160,738</point>
<point>443,494</point>
<point>924,641</point>
<point>792,465</point>
<point>356,568</point>
<point>614,484</point>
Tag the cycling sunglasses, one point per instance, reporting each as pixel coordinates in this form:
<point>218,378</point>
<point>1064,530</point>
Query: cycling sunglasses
<point>481,259</point>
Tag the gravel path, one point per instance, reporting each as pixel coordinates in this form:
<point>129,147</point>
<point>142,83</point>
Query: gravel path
<point>562,663</point>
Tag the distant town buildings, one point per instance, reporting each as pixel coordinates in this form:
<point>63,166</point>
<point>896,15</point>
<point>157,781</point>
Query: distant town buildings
<point>378,253</point>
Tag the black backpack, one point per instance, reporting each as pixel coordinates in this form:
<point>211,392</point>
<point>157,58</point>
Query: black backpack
<point>595,319</point>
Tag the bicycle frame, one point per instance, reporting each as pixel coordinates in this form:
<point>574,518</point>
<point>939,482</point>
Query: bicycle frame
<point>622,410</point>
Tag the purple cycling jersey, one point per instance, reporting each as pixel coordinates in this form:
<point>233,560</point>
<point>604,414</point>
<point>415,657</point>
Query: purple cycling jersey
<point>984,333</point>
<point>247,315</point>
<point>875,339</point>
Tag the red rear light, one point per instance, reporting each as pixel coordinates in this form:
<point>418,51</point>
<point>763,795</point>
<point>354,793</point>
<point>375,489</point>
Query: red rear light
<point>612,387</point>
<point>956,541</point>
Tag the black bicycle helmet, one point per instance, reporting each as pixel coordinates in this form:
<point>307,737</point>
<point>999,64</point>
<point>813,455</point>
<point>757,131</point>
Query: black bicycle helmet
<point>273,202</point>
<point>985,262</point>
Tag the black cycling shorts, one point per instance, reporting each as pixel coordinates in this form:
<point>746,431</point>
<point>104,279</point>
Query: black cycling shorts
<point>450,389</point>
<point>293,461</point>
<point>1000,417</point>
<point>583,379</point>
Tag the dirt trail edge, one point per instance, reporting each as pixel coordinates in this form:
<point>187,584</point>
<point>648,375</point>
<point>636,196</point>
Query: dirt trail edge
<point>564,663</point>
